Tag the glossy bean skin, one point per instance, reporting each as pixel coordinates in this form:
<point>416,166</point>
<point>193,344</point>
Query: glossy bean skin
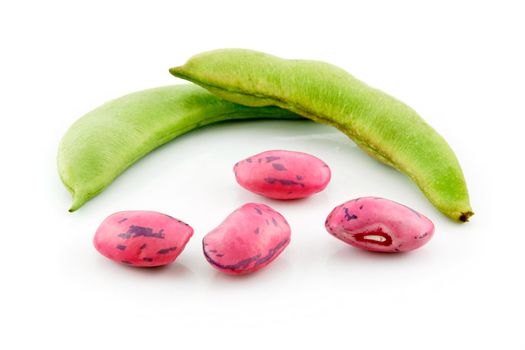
<point>98,147</point>
<point>379,225</point>
<point>142,238</point>
<point>281,174</point>
<point>247,240</point>
<point>383,126</point>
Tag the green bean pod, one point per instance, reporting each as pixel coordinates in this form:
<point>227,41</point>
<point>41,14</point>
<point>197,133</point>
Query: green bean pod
<point>383,126</point>
<point>103,143</point>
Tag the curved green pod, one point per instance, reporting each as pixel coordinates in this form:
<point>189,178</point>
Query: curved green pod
<point>104,142</point>
<point>383,126</point>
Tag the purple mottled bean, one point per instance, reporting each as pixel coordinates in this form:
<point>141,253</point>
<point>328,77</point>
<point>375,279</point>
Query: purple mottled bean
<point>245,241</point>
<point>282,174</point>
<point>142,238</point>
<point>379,225</point>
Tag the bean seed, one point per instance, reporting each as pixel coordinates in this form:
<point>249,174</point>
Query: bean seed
<point>142,238</point>
<point>247,240</point>
<point>282,174</point>
<point>379,225</point>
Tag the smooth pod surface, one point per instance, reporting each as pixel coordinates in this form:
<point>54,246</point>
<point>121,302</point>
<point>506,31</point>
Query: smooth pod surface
<point>103,143</point>
<point>386,128</point>
<point>247,240</point>
<point>142,238</point>
<point>379,225</point>
<point>281,174</point>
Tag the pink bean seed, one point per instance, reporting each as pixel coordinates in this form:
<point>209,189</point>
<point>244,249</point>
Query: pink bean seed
<point>142,238</point>
<point>379,225</point>
<point>247,240</point>
<point>282,174</point>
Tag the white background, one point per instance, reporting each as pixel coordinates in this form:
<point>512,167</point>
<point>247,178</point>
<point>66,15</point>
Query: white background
<point>459,64</point>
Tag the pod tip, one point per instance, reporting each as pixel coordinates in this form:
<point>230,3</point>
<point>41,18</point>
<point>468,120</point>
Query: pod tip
<point>174,70</point>
<point>78,201</point>
<point>465,216</point>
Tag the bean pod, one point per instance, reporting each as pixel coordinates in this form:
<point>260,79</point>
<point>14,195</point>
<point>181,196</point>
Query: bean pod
<point>98,147</point>
<point>386,128</point>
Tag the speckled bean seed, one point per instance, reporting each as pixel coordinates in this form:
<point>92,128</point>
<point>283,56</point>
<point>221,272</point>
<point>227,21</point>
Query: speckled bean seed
<point>247,240</point>
<point>282,174</point>
<point>379,225</point>
<point>142,238</point>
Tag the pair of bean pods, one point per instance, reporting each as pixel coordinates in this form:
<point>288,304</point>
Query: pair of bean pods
<point>242,84</point>
<point>255,234</point>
